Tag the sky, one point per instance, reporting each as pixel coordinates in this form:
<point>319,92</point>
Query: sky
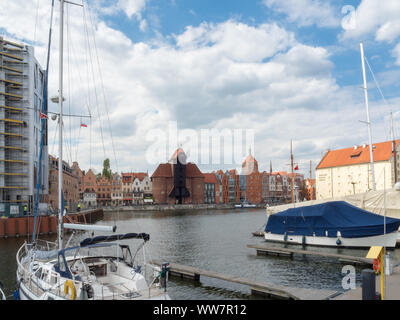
<point>158,74</point>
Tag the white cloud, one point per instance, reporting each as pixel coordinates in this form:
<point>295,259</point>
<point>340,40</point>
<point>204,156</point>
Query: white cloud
<point>307,12</point>
<point>379,19</point>
<point>221,40</point>
<point>225,75</point>
<point>132,7</point>
<point>396,53</point>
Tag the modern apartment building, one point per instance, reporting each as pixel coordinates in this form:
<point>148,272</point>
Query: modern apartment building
<point>21,99</point>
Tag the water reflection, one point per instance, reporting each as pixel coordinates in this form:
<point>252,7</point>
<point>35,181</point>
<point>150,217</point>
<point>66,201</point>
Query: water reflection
<point>210,240</point>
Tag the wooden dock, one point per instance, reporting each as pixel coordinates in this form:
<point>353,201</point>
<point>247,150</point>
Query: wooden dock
<point>263,249</point>
<point>257,288</point>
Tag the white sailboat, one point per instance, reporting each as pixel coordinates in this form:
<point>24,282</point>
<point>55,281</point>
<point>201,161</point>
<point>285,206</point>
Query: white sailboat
<point>98,268</point>
<point>2,295</point>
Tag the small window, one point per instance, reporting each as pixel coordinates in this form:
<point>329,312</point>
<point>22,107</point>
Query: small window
<point>355,154</point>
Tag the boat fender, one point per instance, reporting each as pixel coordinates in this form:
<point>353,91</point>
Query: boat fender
<point>338,242</point>
<point>285,237</point>
<point>70,285</point>
<point>303,240</point>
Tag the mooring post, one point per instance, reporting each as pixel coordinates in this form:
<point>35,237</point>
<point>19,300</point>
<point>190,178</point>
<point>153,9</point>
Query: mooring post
<point>368,284</point>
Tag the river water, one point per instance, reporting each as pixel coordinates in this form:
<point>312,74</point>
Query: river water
<point>213,240</point>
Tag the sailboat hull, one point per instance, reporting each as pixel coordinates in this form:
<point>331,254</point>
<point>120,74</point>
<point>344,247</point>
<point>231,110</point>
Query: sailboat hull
<point>388,240</point>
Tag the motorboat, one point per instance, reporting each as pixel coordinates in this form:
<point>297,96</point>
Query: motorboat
<point>332,224</point>
<point>245,204</point>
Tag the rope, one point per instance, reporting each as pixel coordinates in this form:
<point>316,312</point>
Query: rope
<point>379,89</point>
<point>94,80</point>
<point>36,20</point>
<point>102,86</point>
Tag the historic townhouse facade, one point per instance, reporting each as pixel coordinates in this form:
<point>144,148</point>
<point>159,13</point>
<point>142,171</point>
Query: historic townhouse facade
<point>116,191</point>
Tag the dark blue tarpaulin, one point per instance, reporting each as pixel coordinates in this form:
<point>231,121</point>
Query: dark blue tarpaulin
<point>329,218</point>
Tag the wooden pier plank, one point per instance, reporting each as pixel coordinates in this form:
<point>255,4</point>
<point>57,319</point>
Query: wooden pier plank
<point>341,257</point>
<point>256,287</point>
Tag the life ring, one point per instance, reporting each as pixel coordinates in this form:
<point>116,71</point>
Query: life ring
<point>377,266</point>
<point>70,285</point>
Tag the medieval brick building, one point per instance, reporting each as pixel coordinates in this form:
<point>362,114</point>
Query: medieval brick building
<point>178,182</point>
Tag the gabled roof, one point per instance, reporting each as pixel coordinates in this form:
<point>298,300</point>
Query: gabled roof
<point>130,176</point>
<point>210,178</point>
<point>164,170</point>
<point>192,171</point>
<point>357,155</point>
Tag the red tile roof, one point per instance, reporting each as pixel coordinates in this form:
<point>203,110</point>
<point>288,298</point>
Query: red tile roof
<point>163,170</point>
<point>350,156</point>
<point>166,170</point>
<point>131,175</point>
<point>192,171</point>
<point>210,178</point>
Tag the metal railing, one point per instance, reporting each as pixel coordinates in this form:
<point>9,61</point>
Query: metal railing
<point>37,286</point>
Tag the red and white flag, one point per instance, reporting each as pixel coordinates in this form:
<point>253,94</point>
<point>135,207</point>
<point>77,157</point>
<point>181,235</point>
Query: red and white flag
<point>83,125</point>
<point>297,168</point>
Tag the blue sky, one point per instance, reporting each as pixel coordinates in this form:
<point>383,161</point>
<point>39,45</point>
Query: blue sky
<point>285,69</point>
<point>174,16</point>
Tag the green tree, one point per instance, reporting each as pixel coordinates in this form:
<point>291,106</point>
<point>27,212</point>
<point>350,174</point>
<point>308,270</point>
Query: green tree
<point>106,168</point>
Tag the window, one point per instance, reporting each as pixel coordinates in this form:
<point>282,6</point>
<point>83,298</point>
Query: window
<point>35,76</point>
<point>356,154</point>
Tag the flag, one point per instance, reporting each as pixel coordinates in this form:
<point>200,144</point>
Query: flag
<point>297,168</point>
<point>83,125</point>
<point>43,116</point>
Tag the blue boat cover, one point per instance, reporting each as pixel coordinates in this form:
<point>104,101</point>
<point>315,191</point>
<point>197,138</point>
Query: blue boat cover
<point>327,219</point>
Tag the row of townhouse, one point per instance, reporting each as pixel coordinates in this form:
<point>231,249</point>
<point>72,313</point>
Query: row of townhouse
<point>256,188</point>
<point>136,188</point>
<point>223,186</point>
<point>120,190</point>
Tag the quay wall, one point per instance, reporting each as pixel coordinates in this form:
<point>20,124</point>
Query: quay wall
<point>22,226</point>
<point>174,207</point>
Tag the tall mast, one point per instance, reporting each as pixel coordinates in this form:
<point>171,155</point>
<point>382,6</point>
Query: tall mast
<point>368,119</point>
<point>291,163</point>
<point>60,119</point>
<point>393,147</point>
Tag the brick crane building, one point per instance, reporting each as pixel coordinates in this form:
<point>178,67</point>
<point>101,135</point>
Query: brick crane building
<point>178,182</point>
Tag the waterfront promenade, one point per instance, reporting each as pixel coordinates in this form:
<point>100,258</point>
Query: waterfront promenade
<point>392,288</point>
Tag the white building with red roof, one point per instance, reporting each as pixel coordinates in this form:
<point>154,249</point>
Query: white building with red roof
<point>348,171</point>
